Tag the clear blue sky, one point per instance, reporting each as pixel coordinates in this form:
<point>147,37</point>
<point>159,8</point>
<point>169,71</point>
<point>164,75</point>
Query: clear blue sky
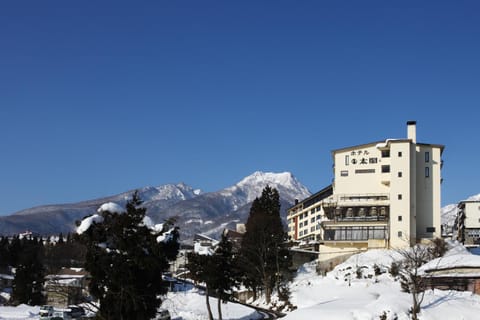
<point>100,97</point>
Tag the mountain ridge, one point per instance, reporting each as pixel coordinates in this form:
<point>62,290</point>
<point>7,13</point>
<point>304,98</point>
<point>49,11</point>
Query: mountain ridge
<point>193,210</point>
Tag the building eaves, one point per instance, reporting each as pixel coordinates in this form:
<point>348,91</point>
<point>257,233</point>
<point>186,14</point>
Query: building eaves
<point>434,145</point>
<point>360,146</point>
<point>387,141</point>
<point>357,146</point>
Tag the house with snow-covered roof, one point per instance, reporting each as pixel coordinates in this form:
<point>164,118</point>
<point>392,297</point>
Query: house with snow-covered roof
<point>67,287</point>
<point>204,245</point>
<point>385,194</point>
<point>459,272</point>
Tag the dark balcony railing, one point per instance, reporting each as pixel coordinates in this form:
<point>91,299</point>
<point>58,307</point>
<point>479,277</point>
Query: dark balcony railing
<point>357,214</point>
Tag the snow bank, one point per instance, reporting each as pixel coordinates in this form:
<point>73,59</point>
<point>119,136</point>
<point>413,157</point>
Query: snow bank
<point>366,261</point>
<point>20,312</point>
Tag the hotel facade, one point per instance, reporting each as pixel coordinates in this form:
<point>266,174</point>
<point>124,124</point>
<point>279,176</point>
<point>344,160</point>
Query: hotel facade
<point>384,195</point>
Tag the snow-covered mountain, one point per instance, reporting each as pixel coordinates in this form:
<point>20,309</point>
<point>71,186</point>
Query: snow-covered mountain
<point>194,211</point>
<point>210,213</point>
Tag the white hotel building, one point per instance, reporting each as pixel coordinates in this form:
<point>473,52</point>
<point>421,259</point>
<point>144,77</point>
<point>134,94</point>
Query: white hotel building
<point>384,195</point>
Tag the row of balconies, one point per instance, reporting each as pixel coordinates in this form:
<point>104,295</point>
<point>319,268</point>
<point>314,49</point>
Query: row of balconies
<point>360,213</point>
<point>355,199</point>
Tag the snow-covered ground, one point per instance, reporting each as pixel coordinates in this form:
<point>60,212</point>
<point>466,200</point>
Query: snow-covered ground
<point>340,295</point>
<point>20,312</point>
<point>191,305</point>
<point>183,305</point>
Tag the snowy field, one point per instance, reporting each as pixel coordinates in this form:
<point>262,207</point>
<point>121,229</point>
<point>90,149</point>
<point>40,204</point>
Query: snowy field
<point>338,296</point>
<point>341,296</point>
<point>191,305</point>
<point>183,305</point>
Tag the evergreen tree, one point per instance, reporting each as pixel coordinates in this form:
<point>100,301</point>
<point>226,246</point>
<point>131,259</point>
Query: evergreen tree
<point>4,253</point>
<point>224,278</point>
<point>70,253</point>
<point>126,262</point>
<point>264,256</point>
<point>14,250</point>
<point>30,274</point>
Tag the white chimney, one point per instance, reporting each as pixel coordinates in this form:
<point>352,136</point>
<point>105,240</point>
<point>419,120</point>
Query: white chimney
<point>412,131</point>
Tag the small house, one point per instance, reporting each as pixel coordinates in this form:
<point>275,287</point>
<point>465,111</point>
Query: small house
<point>460,271</point>
<point>67,287</point>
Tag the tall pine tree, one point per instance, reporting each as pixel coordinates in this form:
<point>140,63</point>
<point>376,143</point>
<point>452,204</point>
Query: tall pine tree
<point>226,275</point>
<point>264,255</point>
<point>30,273</point>
<point>126,262</point>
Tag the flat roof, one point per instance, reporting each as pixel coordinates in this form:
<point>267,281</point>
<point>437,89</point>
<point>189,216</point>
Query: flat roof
<point>327,191</point>
<point>441,146</point>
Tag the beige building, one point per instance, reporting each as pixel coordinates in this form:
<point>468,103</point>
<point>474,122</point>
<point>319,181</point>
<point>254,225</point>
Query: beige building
<point>468,222</point>
<point>384,195</point>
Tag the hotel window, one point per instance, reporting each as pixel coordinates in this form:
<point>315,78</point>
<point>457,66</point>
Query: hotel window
<point>399,218</point>
<point>385,168</point>
<point>301,233</point>
<point>312,229</point>
<point>364,171</point>
<point>347,160</point>
<point>427,156</point>
<point>344,173</point>
<point>399,197</point>
<point>399,234</point>
<point>301,224</point>
<point>385,153</point>
<point>427,172</point>
<point>312,220</point>
<point>399,174</point>
<point>399,154</point>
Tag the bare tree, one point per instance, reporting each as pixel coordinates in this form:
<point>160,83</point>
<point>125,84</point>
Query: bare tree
<point>413,259</point>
